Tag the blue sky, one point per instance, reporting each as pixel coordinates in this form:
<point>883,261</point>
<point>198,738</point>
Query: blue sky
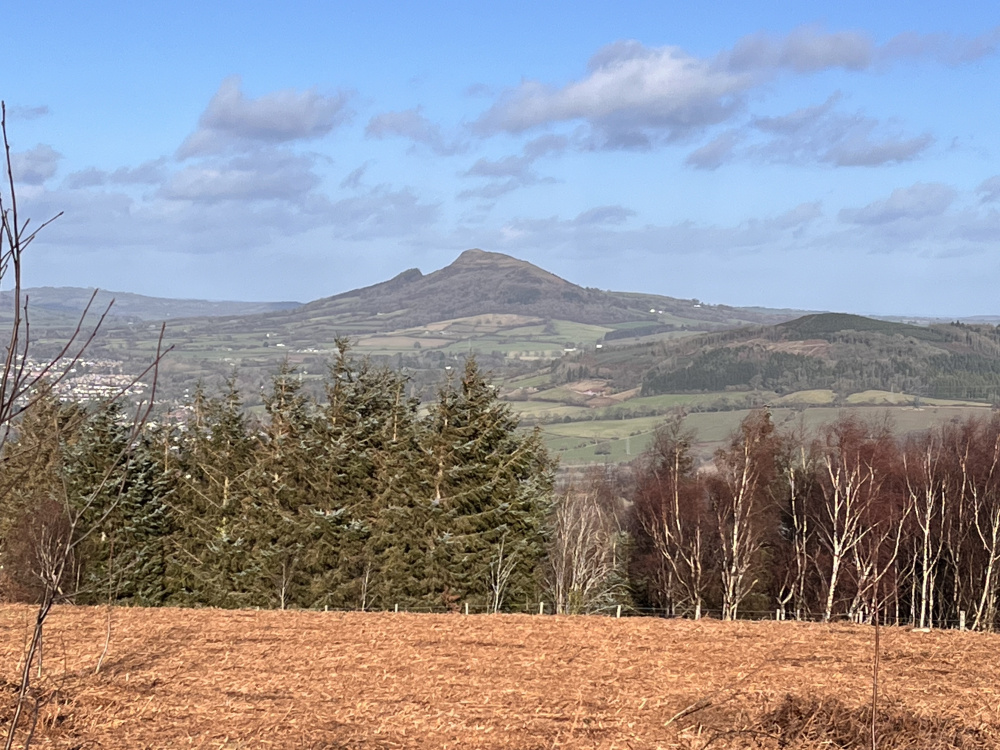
<point>819,156</point>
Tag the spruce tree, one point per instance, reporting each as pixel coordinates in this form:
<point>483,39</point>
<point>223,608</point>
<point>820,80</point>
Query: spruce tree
<point>283,492</point>
<point>368,457</point>
<point>113,481</point>
<point>210,460</point>
<point>491,487</point>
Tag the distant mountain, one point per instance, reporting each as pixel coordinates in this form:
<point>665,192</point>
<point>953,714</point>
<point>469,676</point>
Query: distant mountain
<point>515,316</point>
<point>71,301</point>
<point>482,283</point>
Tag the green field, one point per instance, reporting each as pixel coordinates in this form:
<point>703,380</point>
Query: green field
<point>577,443</point>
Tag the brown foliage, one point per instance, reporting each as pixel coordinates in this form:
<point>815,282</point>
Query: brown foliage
<point>823,722</point>
<point>237,679</point>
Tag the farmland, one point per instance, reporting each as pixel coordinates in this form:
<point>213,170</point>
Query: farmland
<point>237,679</point>
<point>616,440</point>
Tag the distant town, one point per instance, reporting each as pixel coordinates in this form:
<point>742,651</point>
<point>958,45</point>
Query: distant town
<point>87,379</point>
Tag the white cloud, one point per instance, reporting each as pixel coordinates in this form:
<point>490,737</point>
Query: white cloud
<point>602,215</point>
<point>36,165</point>
<point>148,173</point>
<point>354,178</point>
<point>945,48</point>
<point>273,174</point>
<point>412,124</point>
<point>630,89</point>
<point>16,112</point>
<point>381,212</point>
<point>716,152</point>
<point>636,97</point>
<point>919,201</point>
<point>515,171</point>
<point>817,134</point>
<point>231,120</point>
<point>805,50</point>
<point>990,189</point>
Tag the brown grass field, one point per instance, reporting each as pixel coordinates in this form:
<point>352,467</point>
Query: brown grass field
<point>247,679</point>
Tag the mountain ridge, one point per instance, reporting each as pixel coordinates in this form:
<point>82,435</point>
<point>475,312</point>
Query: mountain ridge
<point>481,282</point>
<point>71,300</point>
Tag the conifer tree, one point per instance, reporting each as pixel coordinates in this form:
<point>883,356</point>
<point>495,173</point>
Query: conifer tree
<point>492,486</point>
<point>368,457</point>
<point>278,512</point>
<point>118,489</point>
<point>211,471</point>
<point>32,502</point>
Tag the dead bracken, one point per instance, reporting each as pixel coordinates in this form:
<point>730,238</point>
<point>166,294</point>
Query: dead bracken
<point>241,679</point>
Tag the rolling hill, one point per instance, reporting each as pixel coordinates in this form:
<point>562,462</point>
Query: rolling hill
<point>843,353</point>
<point>513,314</point>
<point>598,369</point>
<point>64,304</point>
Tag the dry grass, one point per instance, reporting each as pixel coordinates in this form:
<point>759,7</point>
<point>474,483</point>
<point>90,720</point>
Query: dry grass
<point>213,679</point>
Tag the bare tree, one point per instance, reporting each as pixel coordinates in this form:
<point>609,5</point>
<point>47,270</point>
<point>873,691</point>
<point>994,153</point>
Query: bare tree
<point>586,559</point>
<point>57,528</point>
<point>926,497</point>
<point>849,482</point>
<point>799,476</point>
<point>671,508</point>
<point>744,506</point>
<point>501,569</point>
<point>982,476</point>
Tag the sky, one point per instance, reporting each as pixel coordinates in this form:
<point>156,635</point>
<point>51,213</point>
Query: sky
<point>824,156</point>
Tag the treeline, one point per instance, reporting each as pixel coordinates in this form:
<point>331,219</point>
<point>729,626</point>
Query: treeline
<point>359,500</point>
<point>364,499</point>
<point>853,523</point>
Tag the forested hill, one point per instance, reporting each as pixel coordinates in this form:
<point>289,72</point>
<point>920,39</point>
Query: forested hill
<point>844,353</point>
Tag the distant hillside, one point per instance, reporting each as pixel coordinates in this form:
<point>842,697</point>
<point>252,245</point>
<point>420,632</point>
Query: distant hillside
<point>828,325</point>
<point>70,301</point>
<point>515,316</point>
<point>480,282</point>
<point>844,353</point>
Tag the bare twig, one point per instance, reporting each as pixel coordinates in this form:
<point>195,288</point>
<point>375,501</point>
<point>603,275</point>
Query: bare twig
<point>21,390</point>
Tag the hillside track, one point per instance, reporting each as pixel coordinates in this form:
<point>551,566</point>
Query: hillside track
<point>265,679</point>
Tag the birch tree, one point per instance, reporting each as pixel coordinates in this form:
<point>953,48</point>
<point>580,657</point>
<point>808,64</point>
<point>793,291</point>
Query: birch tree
<point>586,560</point>
<point>848,483</point>
<point>671,508</point>
<point>744,505</point>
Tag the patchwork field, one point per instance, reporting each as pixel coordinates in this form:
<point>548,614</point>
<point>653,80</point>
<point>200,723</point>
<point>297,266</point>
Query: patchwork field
<point>220,679</point>
<point>614,440</point>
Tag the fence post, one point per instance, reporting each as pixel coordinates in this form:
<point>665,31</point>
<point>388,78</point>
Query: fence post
<point>961,619</point>
<point>466,608</point>
<point>397,608</point>
<point>541,608</point>
<point>618,613</point>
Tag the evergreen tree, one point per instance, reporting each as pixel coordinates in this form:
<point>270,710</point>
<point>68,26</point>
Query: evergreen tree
<point>79,476</point>
<point>211,474</point>
<point>116,487</point>
<point>283,488</point>
<point>33,514</point>
<point>491,488</point>
<point>368,458</point>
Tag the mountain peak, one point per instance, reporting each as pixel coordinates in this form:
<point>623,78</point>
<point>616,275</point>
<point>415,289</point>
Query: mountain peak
<point>477,257</point>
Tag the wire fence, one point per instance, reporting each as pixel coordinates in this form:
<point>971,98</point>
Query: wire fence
<point>614,610</point>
